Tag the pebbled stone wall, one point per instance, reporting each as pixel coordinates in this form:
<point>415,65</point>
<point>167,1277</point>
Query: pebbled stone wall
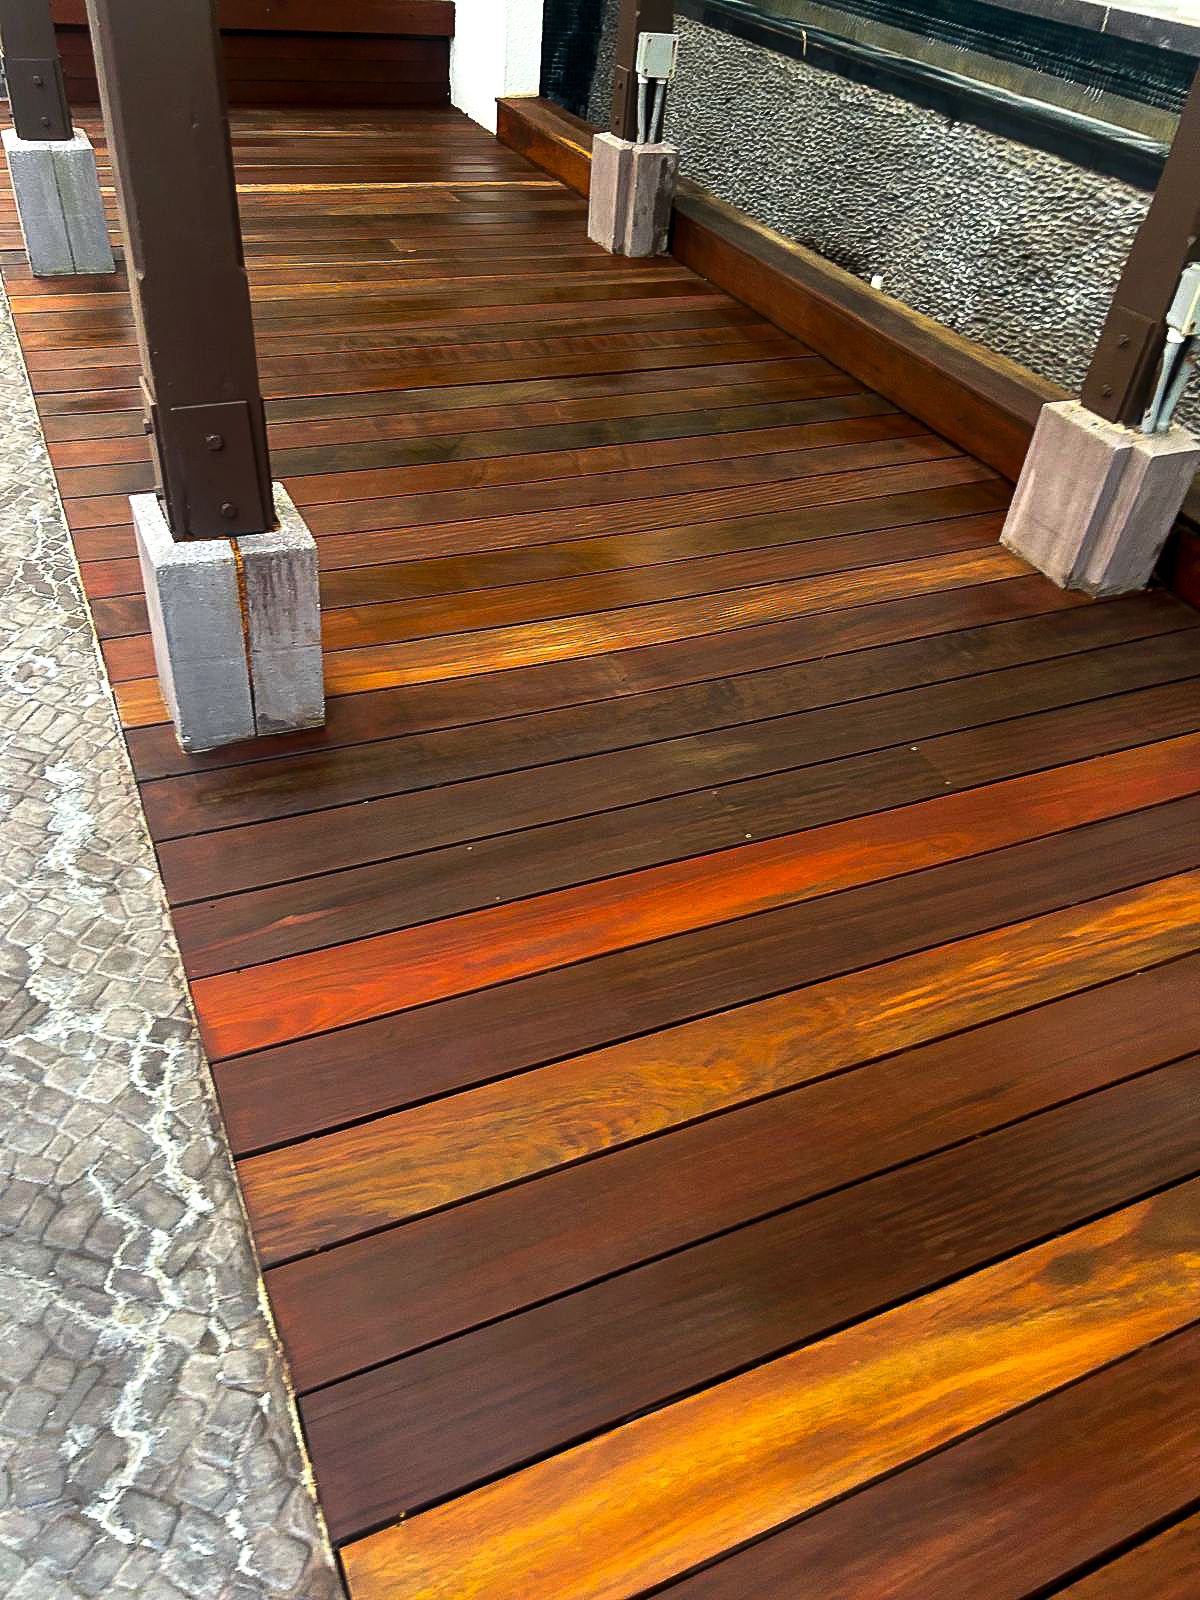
<point>1010,246</point>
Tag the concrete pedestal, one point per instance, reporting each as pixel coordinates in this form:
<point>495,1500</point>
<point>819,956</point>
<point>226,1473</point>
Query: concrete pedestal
<point>283,622</point>
<point>235,625</point>
<point>59,204</point>
<point>1096,500</point>
<point>632,191</point>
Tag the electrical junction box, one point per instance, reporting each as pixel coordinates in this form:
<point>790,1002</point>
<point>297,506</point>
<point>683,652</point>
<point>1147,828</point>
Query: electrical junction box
<point>656,55</point>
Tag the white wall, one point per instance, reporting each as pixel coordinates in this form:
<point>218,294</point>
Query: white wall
<point>497,50</point>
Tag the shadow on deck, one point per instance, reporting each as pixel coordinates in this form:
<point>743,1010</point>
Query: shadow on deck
<point>705,1029</point>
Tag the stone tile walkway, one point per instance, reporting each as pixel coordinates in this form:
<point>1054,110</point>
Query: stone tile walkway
<point>147,1442</point>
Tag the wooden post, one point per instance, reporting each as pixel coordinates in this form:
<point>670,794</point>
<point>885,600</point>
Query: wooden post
<point>36,91</point>
<point>637,17</point>
<point>162,90</point>
<point>1121,378</point>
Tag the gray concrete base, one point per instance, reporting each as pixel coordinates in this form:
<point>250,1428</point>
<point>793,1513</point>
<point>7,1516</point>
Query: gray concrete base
<point>283,610</point>
<point>60,205</point>
<point>1096,500</point>
<point>238,652</point>
<point>632,191</point>
<point>192,595</point>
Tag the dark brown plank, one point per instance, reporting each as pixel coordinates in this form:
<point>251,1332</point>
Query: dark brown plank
<point>1005,1514</point>
<point>384,621</point>
<point>334,986</point>
<point>752,831</point>
<point>884,515</point>
<point>409,1287</point>
<point>1163,1568</point>
<point>869,443</point>
<point>838,725</point>
<point>670,1491</point>
<point>489,1401</point>
<point>342,1184</point>
<point>422,707</point>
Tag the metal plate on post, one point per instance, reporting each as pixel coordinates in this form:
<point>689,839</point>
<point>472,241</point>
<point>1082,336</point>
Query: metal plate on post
<point>38,97</point>
<point>1124,363</point>
<point>218,462</point>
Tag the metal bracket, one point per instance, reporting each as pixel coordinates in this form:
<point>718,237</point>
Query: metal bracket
<point>212,486</point>
<point>1125,359</point>
<point>38,97</point>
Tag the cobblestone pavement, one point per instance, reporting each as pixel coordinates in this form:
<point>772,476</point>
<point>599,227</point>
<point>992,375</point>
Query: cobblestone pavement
<point>147,1442</point>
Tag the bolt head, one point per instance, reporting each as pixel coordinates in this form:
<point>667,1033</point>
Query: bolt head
<point>1106,389</point>
<point>38,82</point>
<point>229,511</point>
<point>214,441</point>
<point>1123,341</point>
<point>45,122</point>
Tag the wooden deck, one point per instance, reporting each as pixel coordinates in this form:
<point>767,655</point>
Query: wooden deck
<point>709,1029</point>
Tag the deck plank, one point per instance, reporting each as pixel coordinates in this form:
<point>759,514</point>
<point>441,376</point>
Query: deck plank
<point>1001,1515</point>
<point>708,1029</point>
<point>487,1403</point>
<point>639,1505</point>
<point>343,1184</point>
<point>410,1287</point>
<point>1163,1568</point>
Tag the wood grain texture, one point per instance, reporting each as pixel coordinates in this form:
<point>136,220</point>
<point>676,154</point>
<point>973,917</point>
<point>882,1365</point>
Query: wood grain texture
<point>634,627</point>
<point>568,684</point>
<point>384,621</point>
<point>562,1372</point>
<point>262,852</point>
<point>626,566</point>
<point>1005,1513</point>
<point>1163,1568</point>
<point>753,874</point>
<point>306,1196</point>
<point>708,1028</point>
<point>311,1084</point>
<point>413,1286</point>
<point>644,1503</point>
<point>391,971</point>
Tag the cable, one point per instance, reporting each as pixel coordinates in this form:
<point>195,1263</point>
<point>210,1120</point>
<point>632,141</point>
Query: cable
<point>660,106</point>
<point>1178,384</point>
<point>1173,375</point>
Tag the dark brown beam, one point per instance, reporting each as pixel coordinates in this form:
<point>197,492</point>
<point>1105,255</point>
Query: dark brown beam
<point>36,91</point>
<point>637,16</point>
<point>1121,378</point>
<point>163,97</point>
